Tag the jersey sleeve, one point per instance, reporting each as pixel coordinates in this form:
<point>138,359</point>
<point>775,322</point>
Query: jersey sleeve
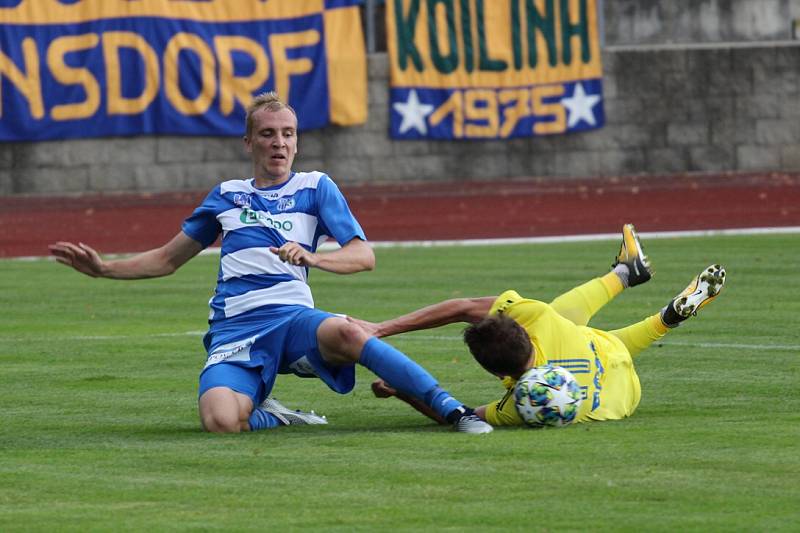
<point>335,217</point>
<point>504,301</point>
<point>503,412</point>
<point>202,225</point>
<point>526,312</point>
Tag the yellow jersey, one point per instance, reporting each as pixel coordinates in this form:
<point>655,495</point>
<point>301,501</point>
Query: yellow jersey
<point>599,361</point>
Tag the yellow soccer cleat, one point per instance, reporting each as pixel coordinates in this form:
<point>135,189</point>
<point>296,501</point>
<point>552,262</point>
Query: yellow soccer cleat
<point>631,254</point>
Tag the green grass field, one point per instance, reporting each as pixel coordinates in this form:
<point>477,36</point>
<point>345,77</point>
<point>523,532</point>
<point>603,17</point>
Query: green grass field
<point>99,430</point>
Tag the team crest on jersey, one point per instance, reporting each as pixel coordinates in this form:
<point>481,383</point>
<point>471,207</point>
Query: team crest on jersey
<point>241,199</point>
<point>285,204</point>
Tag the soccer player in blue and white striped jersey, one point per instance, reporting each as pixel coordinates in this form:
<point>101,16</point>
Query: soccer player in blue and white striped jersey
<point>262,320</point>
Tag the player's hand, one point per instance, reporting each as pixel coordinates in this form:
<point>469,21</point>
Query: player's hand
<point>294,254</point>
<point>81,257</point>
<point>382,390</point>
<point>371,328</point>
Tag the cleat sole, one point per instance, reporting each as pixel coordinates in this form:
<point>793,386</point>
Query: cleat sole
<point>700,292</point>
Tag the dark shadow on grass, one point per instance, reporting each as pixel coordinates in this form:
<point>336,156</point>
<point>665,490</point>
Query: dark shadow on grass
<point>330,429</point>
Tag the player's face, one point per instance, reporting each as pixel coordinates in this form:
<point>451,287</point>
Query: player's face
<point>272,145</point>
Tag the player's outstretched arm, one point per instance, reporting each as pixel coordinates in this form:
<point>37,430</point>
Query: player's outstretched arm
<point>153,263</point>
<point>354,256</point>
<point>447,312</point>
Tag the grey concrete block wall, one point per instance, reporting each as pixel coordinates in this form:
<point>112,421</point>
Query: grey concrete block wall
<point>637,22</point>
<point>669,109</point>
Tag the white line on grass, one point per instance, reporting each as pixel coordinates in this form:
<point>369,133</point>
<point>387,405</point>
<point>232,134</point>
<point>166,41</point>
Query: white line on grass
<point>737,346</point>
<point>779,347</point>
<point>525,240</point>
<point>108,337</point>
<point>586,238</point>
<point>329,245</point>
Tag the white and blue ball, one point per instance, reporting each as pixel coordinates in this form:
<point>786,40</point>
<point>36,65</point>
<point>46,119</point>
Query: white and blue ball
<point>547,396</point>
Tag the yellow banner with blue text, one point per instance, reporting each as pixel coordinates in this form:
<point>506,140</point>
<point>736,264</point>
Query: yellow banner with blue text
<point>89,68</point>
<point>493,69</point>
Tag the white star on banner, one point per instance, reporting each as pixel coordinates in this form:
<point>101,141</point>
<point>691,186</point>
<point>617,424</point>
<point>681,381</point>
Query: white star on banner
<point>580,106</point>
<point>413,113</point>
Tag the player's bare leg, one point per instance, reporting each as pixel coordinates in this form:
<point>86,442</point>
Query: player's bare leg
<point>223,410</point>
<point>381,389</point>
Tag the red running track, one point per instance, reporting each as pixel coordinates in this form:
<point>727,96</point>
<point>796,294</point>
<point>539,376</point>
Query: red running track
<point>118,223</point>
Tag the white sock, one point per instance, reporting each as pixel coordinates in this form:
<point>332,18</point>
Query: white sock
<point>623,272</point>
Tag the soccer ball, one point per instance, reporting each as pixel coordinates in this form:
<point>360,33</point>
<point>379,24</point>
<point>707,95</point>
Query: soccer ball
<point>547,396</point>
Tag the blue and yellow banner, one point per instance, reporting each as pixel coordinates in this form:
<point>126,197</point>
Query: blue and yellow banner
<point>493,69</point>
<point>89,68</point>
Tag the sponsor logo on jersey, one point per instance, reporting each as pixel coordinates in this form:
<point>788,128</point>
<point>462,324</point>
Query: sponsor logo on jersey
<point>250,216</point>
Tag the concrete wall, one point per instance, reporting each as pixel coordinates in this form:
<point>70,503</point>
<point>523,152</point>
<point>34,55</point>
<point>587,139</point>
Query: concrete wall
<point>630,22</point>
<point>669,109</point>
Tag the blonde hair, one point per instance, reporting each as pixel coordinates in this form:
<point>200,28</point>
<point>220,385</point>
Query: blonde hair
<point>269,101</point>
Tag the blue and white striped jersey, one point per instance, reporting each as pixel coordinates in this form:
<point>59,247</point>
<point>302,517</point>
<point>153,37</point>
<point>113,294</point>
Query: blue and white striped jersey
<point>306,209</point>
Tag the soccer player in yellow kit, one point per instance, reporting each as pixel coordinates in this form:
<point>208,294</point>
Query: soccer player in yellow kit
<point>510,334</point>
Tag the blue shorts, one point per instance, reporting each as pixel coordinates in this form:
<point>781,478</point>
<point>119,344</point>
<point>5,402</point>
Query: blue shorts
<point>247,355</point>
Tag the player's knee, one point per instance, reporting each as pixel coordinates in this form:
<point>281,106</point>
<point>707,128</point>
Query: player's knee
<point>221,422</point>
<point>221,412</point>
<point>216,424</point>
<point>353,339</point>
<point>341,341</point>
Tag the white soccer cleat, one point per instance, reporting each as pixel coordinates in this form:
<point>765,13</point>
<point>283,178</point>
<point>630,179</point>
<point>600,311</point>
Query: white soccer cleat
<point>700,292</point>
<point>291,417</point>
<point>703,289</point>
<point>472,424</point>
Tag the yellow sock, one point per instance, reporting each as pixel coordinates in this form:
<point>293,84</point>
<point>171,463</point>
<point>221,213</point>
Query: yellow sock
<point>639,336</point>
<point>580,304</point>
<point>613,284</point>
